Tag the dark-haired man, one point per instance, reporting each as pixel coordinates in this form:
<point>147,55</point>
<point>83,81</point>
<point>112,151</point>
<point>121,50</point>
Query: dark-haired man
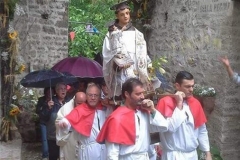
<point>126,131</point>
<point>186,122</point>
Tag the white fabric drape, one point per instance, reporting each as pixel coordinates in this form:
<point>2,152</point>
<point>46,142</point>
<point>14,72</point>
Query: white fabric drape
<point>134,44</point>
<point>138,151</point>
<point>67,141</point>
<point>182,139</point>
<point>88,148</point>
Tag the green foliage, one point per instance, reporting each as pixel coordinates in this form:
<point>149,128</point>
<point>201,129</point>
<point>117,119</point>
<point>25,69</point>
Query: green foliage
<point>215,154</point>
<point>25,98</point>
<point>83,12</point>
<point>214,151</point>
<point>11,4</point>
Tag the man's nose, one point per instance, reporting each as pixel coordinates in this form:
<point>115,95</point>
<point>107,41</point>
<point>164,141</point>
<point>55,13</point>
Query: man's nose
<point>191,89</point>
<point>142,96</point>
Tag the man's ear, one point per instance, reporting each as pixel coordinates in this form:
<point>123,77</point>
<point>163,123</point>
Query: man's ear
<point>127,95</point>
<point>177,86</point>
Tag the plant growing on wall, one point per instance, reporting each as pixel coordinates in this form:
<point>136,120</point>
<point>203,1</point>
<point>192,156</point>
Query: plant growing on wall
<point>7,8</point>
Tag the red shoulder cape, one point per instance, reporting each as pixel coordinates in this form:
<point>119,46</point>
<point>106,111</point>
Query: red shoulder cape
<point>167,105</point>
<point>119,127</point>
<point>81,118</point>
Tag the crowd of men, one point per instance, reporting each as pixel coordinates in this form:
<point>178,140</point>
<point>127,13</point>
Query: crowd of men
<point>84,128</point>
<point>81,124</point>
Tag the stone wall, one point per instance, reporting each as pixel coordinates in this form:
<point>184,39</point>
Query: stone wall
<point>1,114</point>
<point>43,31</point>
<point>193,34</point>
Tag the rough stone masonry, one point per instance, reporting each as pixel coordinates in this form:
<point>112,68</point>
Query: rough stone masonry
<point>43,32</point>
<point>43,29</point>
<point>193,34</point>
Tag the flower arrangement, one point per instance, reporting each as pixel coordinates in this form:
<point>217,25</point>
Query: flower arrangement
<point>20,68</point>
<point>13,35</point>
<point>9,121</point>
<point>23,100</point>
<point>203,91</point>
<point>13,49</point>
<point>14,111</point>
<point>157,64</point>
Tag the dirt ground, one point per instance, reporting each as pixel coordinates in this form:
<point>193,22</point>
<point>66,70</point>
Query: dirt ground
<point>31,151</point>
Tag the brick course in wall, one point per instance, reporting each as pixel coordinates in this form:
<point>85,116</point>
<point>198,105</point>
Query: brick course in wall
<point>44,41</point>
<point>193,34</point>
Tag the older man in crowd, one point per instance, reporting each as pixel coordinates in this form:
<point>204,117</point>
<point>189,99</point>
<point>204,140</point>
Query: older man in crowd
<point>87,120</point>
<point>50,113</point>
<point>68,141</point>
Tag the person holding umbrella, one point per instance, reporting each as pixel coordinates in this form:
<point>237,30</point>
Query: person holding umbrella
<point>47,109</point>
<point>42,105</point>
<point>51,114</point>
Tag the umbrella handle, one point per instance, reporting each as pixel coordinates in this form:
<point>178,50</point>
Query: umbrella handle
<point>50,90</point>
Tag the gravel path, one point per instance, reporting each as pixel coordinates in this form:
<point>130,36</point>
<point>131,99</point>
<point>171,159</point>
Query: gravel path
<point>31,151</point>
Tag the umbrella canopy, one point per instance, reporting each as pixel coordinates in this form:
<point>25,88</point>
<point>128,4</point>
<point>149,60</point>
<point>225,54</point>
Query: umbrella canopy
<point>81,67</point>
<point>46,78</point>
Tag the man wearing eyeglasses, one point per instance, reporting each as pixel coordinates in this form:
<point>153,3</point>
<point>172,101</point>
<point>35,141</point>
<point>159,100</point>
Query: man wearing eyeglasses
<point>68,141</point>
<point>87,119</point>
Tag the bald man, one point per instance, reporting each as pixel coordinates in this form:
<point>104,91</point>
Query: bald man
<point>68,141</point>
<point>87,119</point>
<point>80,97</point>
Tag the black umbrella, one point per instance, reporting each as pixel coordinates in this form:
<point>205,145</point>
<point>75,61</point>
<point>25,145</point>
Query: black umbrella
<point>46,78</point>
